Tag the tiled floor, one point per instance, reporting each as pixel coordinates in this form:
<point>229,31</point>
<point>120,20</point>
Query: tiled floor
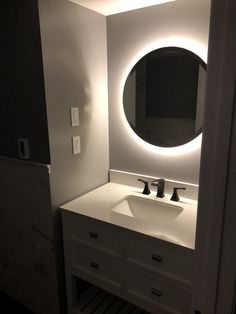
<point>9,306</point>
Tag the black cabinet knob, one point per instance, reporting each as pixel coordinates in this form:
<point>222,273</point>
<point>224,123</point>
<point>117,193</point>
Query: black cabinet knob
<point>157,258</point>
<point>93,235</point>
<point>94,265</point>
<point>156,292</point>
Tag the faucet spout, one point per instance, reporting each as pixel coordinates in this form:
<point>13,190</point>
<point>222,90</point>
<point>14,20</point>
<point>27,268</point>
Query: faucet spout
<point>160,183</point>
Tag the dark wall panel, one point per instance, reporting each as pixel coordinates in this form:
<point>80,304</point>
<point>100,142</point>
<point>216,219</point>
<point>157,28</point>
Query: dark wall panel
<point>22,98</point>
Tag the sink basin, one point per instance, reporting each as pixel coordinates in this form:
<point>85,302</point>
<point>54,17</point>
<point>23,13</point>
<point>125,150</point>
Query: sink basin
<point>156,217</point>
<point>152,211</point>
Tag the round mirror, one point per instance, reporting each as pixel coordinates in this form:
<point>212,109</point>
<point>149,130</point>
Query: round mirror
<point>164,96</point>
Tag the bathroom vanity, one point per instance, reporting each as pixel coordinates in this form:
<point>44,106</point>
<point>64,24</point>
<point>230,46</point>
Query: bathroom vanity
<point>129,253</point>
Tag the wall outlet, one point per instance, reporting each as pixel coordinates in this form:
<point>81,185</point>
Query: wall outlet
<point>76,145</point>
<point>23,148</point>
<point>74,114</point>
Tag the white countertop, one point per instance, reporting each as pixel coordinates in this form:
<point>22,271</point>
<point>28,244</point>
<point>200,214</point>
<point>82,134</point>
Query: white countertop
<point>99,202</point>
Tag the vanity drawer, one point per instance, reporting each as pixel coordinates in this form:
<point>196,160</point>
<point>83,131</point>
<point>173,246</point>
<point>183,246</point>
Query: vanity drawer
<point>94,268</point>
<point>95,234</point>
<point>157,257</point>
<point>156,295</point>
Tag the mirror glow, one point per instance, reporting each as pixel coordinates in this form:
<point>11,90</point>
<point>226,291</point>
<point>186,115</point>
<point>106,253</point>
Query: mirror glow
<point>185,43</point>
<point>106,7</point>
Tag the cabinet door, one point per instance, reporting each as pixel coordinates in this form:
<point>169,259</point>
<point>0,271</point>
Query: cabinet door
<point>158,257</point>
<point>156,294</point>
<point>103,272</point>
<point>95,234</point>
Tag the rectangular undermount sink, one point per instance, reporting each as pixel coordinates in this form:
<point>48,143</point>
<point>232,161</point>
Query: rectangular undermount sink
<point>146,210</point>
<point>155,216</point>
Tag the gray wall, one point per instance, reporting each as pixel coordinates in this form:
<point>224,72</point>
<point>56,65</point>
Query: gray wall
<point>132,34</point>
<point>75,69</point>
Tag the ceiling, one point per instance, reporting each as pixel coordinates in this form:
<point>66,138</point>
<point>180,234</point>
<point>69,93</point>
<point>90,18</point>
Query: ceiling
<point>108,7</point>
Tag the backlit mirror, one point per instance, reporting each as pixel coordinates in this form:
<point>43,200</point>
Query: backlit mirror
<point>163,96</point>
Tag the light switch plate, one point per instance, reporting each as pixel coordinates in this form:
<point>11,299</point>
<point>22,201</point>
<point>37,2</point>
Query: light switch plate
<point>76,145</point>
<point>74,113</point>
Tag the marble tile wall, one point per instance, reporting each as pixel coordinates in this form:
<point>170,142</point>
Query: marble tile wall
<point>27,259</point>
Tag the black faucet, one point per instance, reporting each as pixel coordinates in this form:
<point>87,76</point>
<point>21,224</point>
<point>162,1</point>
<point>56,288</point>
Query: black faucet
<point>146,188</point>
<point>160,183</point>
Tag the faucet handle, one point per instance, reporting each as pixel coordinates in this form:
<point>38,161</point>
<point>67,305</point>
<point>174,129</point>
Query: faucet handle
<point>175,196</point>
<point>146,189</point>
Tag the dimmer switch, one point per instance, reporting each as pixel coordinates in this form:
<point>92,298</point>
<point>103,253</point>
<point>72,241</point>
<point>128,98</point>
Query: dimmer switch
<point>74,113</point>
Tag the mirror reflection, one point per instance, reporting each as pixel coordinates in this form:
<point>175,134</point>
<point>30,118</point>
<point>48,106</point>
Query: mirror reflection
<point>164,96</point>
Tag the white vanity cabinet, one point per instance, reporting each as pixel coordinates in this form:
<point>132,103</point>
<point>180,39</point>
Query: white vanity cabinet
<point>150,273</point>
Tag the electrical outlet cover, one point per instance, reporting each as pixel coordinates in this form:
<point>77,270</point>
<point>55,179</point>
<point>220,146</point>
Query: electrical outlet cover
<point>23,148</point>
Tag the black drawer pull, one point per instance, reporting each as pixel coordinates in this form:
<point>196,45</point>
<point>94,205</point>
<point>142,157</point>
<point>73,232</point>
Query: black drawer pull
<point>156,292</point>
<point>94,265</point>
<point>157,258</point>
<point>93,235</point>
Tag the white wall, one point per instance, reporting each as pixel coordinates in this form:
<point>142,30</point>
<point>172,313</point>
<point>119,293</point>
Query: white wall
<point>183,23</point>
<point>75,69</point>
<point>74,49</point>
